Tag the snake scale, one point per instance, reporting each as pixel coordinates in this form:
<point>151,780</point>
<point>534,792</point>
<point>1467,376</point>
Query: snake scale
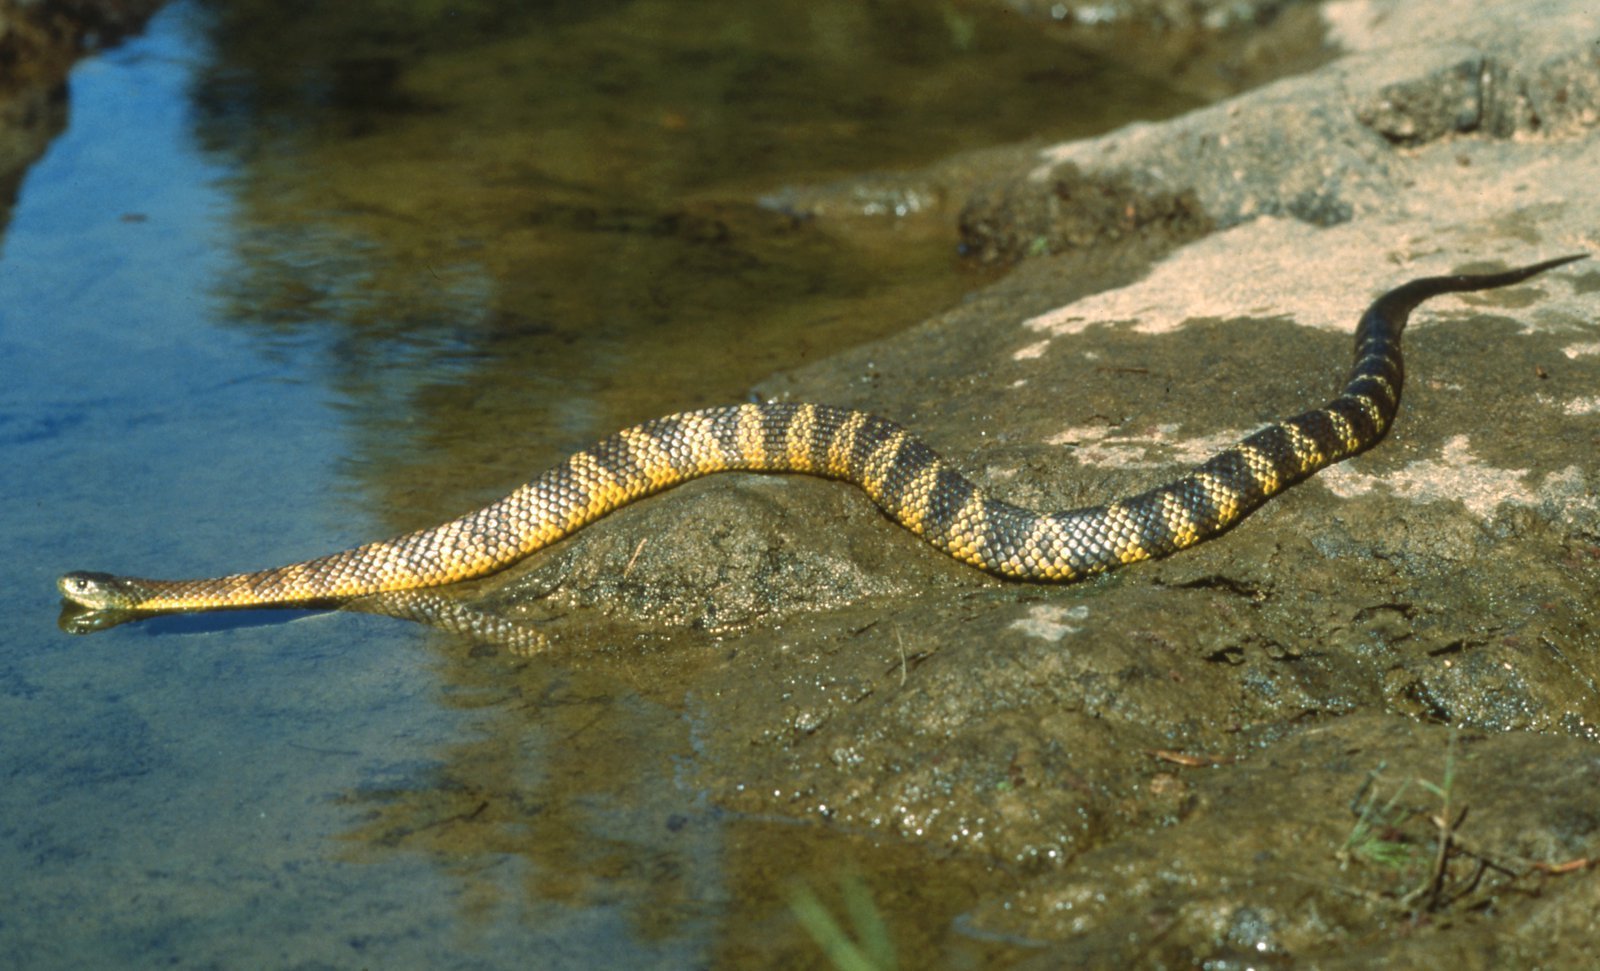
<point>911,483</point>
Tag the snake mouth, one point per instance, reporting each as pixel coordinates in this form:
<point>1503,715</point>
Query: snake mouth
<point>97,591</point>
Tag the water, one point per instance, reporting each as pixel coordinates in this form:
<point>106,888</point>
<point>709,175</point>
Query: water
<point>280,288</point>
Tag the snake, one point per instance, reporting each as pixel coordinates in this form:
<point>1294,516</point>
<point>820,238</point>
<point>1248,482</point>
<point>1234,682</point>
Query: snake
<point>905,477</point>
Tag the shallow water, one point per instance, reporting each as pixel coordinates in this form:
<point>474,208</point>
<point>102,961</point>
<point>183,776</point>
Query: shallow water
<point>277,290</point>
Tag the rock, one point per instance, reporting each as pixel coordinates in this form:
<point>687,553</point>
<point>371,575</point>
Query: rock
<point>1507,71</point>
<point>1157,14</point>
<point>1172,764</point>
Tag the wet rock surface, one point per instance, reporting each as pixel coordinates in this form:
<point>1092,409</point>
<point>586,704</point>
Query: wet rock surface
<point>1156,14</point>
<point>1359,727</point>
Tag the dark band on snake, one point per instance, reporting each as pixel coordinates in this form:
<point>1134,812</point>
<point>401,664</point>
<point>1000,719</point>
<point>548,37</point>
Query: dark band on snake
<point>912,484</point>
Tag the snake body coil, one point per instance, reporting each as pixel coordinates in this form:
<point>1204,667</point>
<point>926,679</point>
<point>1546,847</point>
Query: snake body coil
<point>903,476</point>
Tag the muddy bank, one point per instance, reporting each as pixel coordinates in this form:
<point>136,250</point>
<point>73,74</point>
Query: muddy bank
<point>1362,724</point>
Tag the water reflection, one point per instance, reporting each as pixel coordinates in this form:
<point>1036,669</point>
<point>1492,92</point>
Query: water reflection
<point>534,225</point>
<point>444,612</point>
<point>426,250</point>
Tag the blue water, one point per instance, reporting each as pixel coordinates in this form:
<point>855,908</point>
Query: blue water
<point>167,798</point>
<point>217,356</point>
<point>175,798</point>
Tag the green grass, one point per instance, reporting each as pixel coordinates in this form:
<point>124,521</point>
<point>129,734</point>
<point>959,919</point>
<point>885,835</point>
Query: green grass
<point>869,948</point>
<point>1377,837</point>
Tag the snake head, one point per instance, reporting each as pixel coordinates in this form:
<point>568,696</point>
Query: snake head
<point>98,591</point>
